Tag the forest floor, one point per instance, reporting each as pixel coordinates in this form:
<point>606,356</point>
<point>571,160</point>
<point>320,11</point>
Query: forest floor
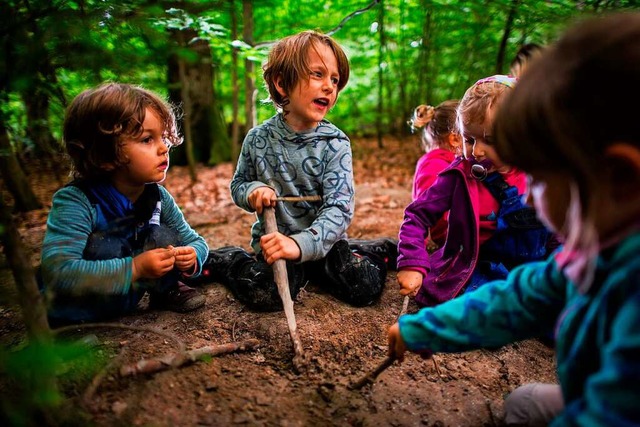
<point>261,386</point>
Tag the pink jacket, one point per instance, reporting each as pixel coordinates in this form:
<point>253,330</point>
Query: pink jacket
<point>427,170</point>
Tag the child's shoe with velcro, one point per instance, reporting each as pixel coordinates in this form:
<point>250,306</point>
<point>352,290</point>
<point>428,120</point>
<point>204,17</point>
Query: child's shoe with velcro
<point>219,264</point>
<point>181,299</point>
<point>354,278</point>
<point>384,248</point>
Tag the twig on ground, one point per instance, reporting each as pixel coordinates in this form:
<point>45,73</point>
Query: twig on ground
<point>435,365</point>
<point>87,396</point>
<point>178,341</point>
<point>174,360</point>
<point>371,376</point>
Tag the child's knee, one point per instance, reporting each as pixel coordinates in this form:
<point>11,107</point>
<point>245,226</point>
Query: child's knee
<point>101,246</point>
<point>533,404</point>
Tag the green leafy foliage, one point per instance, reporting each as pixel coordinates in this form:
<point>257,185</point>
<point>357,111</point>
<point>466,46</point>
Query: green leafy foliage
<point>72,364</point>
<point>434,49</point>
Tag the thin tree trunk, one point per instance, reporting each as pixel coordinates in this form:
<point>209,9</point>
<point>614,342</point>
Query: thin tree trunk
<point>235,102</point>
<point>14,177</point>
<point>251,117</point>
<point>508,27</point>
<point>381,58</point>
<point>405,109</point>
<point>34,312</point>
<point>425,89</point>
<point>188,111</point>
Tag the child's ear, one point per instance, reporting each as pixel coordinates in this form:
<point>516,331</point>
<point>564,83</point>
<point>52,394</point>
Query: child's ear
<point>623,167</point>
<point>279,88</point>
<point>455,141</point>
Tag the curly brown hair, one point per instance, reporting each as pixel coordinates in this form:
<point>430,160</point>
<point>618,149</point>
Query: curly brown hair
<point>100,119</point>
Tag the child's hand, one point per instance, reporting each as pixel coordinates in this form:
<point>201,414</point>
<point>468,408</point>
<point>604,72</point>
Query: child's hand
<point>152,264</point>
<point>396,343</point>
<point>277,246</point>
<point>186,258</point>
<point>261,197</point>
<point>410,282</point>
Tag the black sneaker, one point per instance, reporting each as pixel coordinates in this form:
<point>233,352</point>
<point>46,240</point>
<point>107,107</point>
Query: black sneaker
<point>180,299</point>
<point>354,278</point>
<point>219,264</point>
<point>384,248</point>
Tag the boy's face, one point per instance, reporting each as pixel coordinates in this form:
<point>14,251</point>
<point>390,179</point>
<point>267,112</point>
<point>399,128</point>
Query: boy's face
<point>313,96</point>
<point>146,157</point>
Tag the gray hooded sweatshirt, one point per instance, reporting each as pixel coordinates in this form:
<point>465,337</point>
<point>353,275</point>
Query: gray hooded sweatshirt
<point>313,162</point>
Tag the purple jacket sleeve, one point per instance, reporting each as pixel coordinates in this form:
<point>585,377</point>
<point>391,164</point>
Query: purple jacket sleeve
<point>419,217</point>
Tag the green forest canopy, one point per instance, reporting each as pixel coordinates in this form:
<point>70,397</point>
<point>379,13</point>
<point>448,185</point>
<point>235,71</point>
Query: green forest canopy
<point>402,52</point>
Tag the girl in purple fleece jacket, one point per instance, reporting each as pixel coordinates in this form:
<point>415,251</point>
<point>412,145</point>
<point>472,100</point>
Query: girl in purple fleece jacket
<point>490,229</point>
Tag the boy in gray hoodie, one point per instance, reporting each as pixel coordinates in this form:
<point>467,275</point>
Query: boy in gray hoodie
<point>299,153</point>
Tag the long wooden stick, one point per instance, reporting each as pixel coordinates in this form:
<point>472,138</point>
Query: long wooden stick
<point>371,376</point>
<point>174,360</point>
<point>282,281</point>
<point>299,198</point>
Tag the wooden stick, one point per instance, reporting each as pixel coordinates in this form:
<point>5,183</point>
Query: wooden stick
<point>299,198</point>
<point>371,376</point>
<point>174,360</point>
<point>282,281</point>
<point>405,306</point>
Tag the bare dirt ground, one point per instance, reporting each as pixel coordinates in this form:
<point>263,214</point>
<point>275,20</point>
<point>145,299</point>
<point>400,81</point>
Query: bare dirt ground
<point>261,387</point>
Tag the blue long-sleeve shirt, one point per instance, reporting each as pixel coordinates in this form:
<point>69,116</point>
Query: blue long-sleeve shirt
<point>71,220</point>
<point>597,333</point>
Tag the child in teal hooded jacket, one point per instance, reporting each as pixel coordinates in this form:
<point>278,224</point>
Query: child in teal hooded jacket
<point>583,160</point>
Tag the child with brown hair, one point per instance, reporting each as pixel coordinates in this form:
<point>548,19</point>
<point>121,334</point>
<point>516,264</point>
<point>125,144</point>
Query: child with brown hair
<point>442,144</point>
<point>585,176</point>
<point>490,229</point>
<point>298,152</point>
<point>114,233</point>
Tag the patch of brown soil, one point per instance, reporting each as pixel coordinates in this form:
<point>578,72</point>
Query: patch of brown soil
<point>341,343</point>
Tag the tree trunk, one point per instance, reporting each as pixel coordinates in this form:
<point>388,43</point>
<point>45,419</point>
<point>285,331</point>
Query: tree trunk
<point>41,382</point>
<point>36,102</point>
<point>400,120</point>
<point>206,126</point>
<point>14,177</point>
<point>508,27</point>
<point>251,93</point>
<point>425,89</point>
<point>381,59</point>
<point>235,125</point>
